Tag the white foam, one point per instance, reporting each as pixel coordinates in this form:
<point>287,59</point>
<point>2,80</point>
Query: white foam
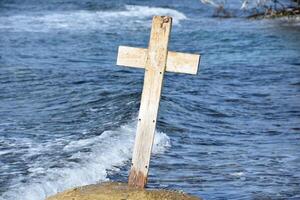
<point>109,151</point>
<point>290,21</point>
<point>238,174</point>
<point>132,16</point>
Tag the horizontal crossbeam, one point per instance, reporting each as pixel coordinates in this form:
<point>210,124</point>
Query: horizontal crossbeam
<point>176,62</point>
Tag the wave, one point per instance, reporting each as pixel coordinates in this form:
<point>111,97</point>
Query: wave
<point>132,16</point>
<point>109,151</point>
<point>293,21</point>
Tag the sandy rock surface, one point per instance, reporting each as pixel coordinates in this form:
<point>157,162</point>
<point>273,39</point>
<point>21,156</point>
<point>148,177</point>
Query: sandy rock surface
<point>118,191</point>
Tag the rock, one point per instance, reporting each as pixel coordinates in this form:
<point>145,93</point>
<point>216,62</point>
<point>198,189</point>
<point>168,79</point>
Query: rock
<point>270,14</point>
<point>118,191</point>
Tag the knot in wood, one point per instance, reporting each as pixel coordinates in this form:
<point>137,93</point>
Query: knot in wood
<point>166,19</point>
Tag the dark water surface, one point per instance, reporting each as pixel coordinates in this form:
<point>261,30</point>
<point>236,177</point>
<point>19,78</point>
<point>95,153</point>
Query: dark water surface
<point>67,112</point>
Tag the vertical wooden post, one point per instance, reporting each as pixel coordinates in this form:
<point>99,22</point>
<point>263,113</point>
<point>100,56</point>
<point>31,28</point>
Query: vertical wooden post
<point>153,80</point>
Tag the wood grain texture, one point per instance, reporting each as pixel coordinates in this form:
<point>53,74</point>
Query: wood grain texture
<point>132,57</point>
<point>155,67</point>
<point>155,60</point>
<point>176,62</point>
<point>183,62</point>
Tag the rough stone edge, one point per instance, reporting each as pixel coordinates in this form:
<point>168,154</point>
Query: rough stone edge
<point>89,192</point>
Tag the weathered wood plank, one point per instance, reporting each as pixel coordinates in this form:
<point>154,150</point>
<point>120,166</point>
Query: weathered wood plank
<point>153,80</point>
<point>182,62</point>
<point>132,57</point>
<point>176,62</point>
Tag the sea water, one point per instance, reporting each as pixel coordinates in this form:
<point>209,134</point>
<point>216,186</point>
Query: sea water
<point>68,113</point>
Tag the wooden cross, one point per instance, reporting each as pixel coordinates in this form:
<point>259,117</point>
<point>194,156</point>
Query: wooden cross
<point>156,60</point>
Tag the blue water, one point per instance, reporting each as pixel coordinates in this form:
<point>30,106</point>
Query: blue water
<point>68,113</point>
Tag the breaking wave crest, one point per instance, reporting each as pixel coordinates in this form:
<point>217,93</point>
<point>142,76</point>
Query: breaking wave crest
<point>109,151</point>
<point>84,20</point>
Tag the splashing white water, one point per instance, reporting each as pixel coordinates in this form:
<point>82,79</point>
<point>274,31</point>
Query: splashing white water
<point>109,151</point>
<point>132,16</point>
